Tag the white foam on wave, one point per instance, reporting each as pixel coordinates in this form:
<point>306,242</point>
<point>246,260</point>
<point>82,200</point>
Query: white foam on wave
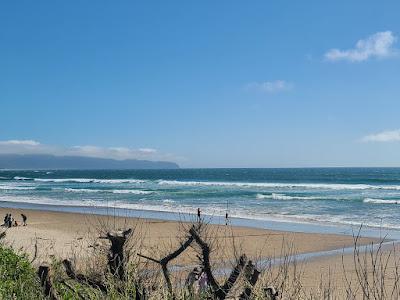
<point>22,178</point>
<point>329,186</point>
<point>276,196</point>
<point>381,201</point>
<point>51,201</point>
<point>16,188</point>
<point>210,211</point>
<point>87,180</point>
<point>136,192</point>
<point>321,186</point>
<point>94,203</point>
<point>82,190</point>
<point>118,181</point>
<point>168,201</point>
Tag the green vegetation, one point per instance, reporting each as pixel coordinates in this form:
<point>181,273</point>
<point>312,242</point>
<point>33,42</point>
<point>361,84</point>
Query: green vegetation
<point>18,279</point>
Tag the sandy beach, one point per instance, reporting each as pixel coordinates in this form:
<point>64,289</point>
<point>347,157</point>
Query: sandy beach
<point>64,234</point>
<point>75,235</point>
<point>63,231</point>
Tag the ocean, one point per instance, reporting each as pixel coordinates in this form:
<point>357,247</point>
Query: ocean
<point>330,196</point>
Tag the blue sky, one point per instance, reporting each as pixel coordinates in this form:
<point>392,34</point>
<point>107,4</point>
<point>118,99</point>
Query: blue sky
<point>203,83</point>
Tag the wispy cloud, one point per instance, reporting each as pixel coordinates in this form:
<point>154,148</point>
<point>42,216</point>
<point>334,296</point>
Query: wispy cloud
<point>20,142</point>
<point>34,147</point>
<point>384,136</point>
<point>378,45</point>
<point>270,86</point>
<point>111,152</point>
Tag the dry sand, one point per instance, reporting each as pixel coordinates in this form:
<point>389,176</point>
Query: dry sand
<point>62,232</point>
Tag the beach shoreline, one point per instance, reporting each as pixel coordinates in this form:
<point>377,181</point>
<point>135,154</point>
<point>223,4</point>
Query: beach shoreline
<point>270,224</point>
<point>62,229</point>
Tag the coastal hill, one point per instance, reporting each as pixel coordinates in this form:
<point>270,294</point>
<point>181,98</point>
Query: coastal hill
<point>44,161</point>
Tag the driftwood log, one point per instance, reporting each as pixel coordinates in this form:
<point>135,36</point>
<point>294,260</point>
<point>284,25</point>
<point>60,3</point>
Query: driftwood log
<point>116,258</point>
<point>251,274</point>
<point>165,260</point>
<point>244,268</point>
<point>271,293</point>
<point>219,292</point>
<point>70,271</point>
<point>230,282</point>
<point>45,282</point>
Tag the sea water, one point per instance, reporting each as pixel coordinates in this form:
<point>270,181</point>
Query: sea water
<point>341,196</point>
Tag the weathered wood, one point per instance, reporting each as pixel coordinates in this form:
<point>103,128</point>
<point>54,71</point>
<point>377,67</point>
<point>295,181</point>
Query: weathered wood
<point>205,250</point>
<point>270,293</point>
<point>70,271</point>
<point>230,282</point>
<point>116,258</point>
<point>251,274</point>
<point>45,282</point>
<point>140,294</point>
<point>36,251</point>
<point>219,292</point>
<point>165,260</point>
<point>177,252</point>
<point>149,258</point>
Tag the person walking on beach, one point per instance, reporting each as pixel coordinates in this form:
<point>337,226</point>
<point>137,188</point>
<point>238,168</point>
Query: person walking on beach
<point>24,218</point>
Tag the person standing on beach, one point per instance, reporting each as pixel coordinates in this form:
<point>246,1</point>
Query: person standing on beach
<point>5,221</point>
<point>10,221</point>
<point>24,218</point>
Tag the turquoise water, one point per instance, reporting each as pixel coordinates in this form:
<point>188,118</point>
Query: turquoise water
<point>368,196</point>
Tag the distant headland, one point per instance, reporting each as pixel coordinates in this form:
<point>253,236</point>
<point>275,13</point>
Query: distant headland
<point>45,161</point>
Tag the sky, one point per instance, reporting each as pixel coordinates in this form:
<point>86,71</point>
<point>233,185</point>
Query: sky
<point>203,83</point>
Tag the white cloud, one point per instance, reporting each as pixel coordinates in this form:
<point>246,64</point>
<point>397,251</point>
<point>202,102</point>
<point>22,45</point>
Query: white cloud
<point>33,147</point>
<point>147,150</point>
<point>270,86</point>
<point>384,136</point>
<point>20,142</point>
<point>378,45</point>
<point>112,152</point>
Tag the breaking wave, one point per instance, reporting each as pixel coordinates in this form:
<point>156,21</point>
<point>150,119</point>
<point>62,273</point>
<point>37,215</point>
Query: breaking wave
<point>85,180</point>
<point>16,188</point>
<point>381,201</point>
<point>276,196</point>
<point>22,178</point>
<point>82,190</point>
<point>329,186</point>
<point>137,192</point>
